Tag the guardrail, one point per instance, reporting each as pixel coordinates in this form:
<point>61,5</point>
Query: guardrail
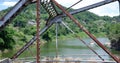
<point>66,61</point>
<point>62,59</point>
<point>53,59</point>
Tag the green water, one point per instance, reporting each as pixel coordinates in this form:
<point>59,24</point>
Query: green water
<point>71,48</point>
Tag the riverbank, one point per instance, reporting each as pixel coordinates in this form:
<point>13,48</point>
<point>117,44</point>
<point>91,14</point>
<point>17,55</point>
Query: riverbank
<point>68,41</point>
<point>82,35</point>
<point>72,48</point>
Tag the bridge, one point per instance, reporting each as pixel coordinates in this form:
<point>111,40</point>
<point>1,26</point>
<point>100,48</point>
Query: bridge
<point>55,17</point>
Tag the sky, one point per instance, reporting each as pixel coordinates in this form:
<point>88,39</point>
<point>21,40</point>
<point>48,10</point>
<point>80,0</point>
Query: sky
<point>111,9</point>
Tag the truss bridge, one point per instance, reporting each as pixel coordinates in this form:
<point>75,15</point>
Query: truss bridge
<point>56,16</point>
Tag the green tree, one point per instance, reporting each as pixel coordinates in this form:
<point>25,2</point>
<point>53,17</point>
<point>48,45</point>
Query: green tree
<point>6,38</point>
<point>47,36</point>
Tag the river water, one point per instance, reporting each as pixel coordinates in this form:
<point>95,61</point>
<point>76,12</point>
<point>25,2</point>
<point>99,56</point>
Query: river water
<point>75,48</point>
<point>70,48</point>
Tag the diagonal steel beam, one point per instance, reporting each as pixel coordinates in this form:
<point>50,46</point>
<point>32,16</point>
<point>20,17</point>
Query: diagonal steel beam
<point>9,16</point>
<point>86,31</point>
<point>87,7</point>
<point>18,53</point>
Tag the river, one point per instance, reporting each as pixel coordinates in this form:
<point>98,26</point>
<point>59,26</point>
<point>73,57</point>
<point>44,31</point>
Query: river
<point>69,48</point>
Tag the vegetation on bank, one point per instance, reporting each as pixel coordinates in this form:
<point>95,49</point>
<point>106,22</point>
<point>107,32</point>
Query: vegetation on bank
<point>23,27</point>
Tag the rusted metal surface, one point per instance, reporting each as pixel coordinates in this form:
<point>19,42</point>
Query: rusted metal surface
<point>86,31</point>
<point>38,29</point>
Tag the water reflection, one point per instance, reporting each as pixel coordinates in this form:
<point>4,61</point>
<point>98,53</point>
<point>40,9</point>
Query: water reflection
<point>75,48</point>
<point>70,48</point>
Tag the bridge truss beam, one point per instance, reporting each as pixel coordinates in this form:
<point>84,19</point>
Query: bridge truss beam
<point>56,18</point>
<point>86,31</point>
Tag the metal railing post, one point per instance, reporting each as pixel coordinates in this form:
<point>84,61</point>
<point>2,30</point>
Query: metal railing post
<point>38,29</point>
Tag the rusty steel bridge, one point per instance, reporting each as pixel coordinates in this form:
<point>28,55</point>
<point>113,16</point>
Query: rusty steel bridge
<point>54,17</point>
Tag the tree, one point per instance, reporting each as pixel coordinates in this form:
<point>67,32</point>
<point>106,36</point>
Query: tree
<point>6,38</point>
<point>114,36</point>
<point>47,36</point>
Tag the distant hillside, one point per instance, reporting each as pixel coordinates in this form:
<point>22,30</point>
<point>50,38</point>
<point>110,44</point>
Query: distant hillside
<point>116,18</point>
<point>21,31</point>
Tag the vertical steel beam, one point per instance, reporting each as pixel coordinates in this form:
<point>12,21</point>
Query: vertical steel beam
<point>56,39</point>
<point>38,29</point>
<point>86,31</point>
<point>34,38</point>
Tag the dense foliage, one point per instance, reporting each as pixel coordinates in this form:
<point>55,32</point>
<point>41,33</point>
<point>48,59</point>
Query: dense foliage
<point>23,27</point>
<point>6,38</point>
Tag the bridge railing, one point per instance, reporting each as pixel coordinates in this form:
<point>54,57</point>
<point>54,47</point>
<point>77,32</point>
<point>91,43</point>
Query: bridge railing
<point>66,59</point>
